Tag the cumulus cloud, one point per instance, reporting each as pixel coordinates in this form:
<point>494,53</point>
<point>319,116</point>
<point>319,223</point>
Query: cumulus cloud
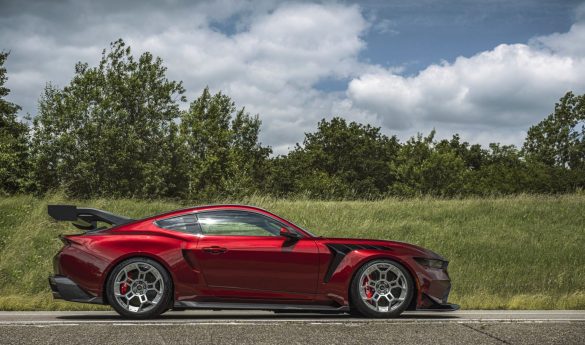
<point>504,89</point>
<point>272,65</point>
<point>568,44</point>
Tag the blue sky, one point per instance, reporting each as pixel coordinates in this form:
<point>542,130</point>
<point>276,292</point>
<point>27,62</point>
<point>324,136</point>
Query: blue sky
<point>421,34</point>
<point>485,69</point>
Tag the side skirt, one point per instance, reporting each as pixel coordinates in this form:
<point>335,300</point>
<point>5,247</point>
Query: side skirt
<point>258,306</point>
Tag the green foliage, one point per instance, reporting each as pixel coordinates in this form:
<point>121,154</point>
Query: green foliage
<point>116,130</point>
<point>504,252</point>
<point>13,141</point>
<point>223,154</point>
<point>558,140</point>
<point>502,172</point>
<point>339,160</point>
<point>555,147</point>
<point>424,168</point>
<point>110,131</point>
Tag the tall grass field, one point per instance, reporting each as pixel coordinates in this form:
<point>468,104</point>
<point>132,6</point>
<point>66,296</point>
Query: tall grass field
<point>523,252</point>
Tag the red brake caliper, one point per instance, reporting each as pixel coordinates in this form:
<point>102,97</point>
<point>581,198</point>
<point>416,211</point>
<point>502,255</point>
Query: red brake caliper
<point>123,288</point>
<point>367,288</point>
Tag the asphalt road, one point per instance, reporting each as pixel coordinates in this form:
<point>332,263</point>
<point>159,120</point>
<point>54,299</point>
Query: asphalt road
<point>245,327</point>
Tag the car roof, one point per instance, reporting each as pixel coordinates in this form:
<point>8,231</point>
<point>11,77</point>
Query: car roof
<point>209,207</point>
<point>187,210</point>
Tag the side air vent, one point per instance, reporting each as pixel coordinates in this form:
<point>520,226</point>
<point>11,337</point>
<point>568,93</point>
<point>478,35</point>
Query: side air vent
<point>339,251</point>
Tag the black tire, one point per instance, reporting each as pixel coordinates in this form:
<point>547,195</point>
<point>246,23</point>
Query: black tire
<point>359,306</point>
<point>160,307</point>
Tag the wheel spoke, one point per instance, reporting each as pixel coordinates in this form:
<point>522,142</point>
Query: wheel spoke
<point>152,287</point>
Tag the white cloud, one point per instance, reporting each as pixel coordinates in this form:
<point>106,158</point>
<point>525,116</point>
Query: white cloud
<point>271,66</point>
<point>571,43</point>
<point>501,90</point>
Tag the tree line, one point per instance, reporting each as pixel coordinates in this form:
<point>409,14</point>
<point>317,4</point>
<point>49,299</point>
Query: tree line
<point>117,130</point>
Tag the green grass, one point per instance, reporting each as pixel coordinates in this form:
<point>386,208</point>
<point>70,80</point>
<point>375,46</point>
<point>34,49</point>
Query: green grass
<point>523,252</point>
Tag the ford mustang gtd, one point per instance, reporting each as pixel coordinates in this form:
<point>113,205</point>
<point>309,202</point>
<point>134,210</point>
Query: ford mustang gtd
<point>238,257</point>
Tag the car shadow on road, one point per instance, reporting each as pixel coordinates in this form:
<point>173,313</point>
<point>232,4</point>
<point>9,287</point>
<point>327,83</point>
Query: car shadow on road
<point>242,317</point>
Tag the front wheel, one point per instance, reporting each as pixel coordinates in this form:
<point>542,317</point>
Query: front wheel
<point>139,288</point>
<point>381,289</point>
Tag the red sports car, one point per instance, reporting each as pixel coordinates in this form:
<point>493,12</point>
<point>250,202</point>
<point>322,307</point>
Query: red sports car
<point>238,257</point>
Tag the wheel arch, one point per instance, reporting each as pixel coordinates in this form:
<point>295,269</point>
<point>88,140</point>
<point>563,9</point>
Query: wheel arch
<point>415,295</point>
<point>127,256</point>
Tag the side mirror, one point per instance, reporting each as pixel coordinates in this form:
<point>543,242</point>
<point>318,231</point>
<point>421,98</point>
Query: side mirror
<point>284,232</point>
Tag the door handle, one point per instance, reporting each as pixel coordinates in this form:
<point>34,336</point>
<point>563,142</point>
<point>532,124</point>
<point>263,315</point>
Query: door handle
<point>215,250</point>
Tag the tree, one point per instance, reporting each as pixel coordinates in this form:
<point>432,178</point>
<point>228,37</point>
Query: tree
<point>13,141</point>
<point>423,168</point>
<point>224,155</point>
<point>503,171</point>
<point>472,155</point>
<point>249,157</point>
<point>559,140</point>
<point>110,131</point>
<point>340,159</point>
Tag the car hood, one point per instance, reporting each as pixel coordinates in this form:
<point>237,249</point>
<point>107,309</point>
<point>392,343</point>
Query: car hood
<point>416,250</point>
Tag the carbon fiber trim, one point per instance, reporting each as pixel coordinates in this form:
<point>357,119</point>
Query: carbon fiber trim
<point>339,251</point>
<point>65,288</point>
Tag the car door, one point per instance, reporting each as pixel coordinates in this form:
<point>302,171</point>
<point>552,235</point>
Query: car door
<point>243,251</point>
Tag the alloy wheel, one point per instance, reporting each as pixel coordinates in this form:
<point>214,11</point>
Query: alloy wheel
<point>139,287</point>
<point>383,287</point>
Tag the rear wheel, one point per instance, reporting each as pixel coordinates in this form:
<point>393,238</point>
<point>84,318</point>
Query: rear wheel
<point>139,288</point>
<point>381,289</point>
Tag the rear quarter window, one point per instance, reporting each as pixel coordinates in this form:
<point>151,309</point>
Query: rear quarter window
<point>185,223</point>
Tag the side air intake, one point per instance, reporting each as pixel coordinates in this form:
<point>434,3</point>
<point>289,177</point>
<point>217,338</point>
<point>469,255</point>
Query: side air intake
<point>339,251</point>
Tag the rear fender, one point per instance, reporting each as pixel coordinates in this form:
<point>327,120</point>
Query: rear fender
<point>166,250</point>
<point>114,263</point>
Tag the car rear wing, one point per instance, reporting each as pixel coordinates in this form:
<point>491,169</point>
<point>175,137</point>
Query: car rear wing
<point>85,218</point>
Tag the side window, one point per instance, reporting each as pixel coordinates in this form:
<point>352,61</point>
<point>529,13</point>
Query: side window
<point>185,223</point>
<point>238,223</point>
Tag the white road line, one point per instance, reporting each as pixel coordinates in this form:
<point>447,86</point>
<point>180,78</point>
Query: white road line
<point>205,318</point>
<point>278,322</point>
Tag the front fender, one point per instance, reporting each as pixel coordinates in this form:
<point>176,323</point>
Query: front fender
<point>338,287</point>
